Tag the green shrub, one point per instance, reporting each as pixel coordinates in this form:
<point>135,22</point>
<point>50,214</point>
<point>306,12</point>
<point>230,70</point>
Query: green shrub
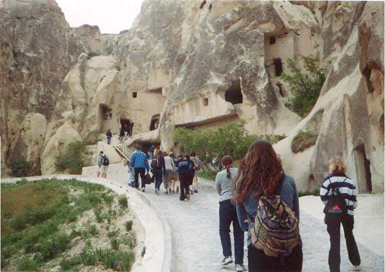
<point>110,259</point>
<point>304,87</point>
<point>89,257</point>
<point>271,138</point>
<point>315,192</point>
<point>123,201</point>
<point>111,234</point>
<point>108,198</point>
<point>212,144</point>
<point>128,259</point>
<point>302,141</point>
<point>128,225</point>
<point>50,248</point>
<point>73,159</point>
<point>115,243</point>
<point>26,264</point>
<point>130,241</point>
<point>68,264</point>
<point>93,230</point>
<point>92,54</point>
<point>19,166</point>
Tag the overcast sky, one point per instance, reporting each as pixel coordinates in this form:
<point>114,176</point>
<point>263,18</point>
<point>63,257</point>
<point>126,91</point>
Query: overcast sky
<point>112,16</point>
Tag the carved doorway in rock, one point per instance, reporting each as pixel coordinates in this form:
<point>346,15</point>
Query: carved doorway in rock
<point>234,94</point>
<point>155,122</point>
<point>364,176</point>
<point>105,117</point>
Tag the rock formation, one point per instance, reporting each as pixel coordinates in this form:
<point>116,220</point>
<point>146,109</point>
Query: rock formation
<point>198,64</point>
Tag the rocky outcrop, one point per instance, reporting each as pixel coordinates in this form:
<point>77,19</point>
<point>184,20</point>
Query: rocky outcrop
<point>203,63</point>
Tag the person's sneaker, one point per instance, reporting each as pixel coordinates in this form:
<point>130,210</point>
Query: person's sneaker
<point>357,268</point>
<point>177,190</point>
<point>143,190</point>
<point>191,192</point>
<point>156,191</point>
<point>195,191</point>
<point>188,197</point>
<point>166,192</point>
<point>239,268</point>
<point>227,260</point>
<point>169,190</point>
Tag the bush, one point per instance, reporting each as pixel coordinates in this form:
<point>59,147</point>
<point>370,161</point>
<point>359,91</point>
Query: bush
<point>67,264</point>
<point>304,88</point>
<point>128,259</point>
<point>315,192</point>
<point>212,144</point>
<point>128,225</point>
<point>26,264</point>
<point>123,201</point>
<point>302,141</point>
<point>19,166</point>
<point>73,159</point>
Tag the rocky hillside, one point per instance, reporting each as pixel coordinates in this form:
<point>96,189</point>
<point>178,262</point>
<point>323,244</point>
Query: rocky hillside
<point>196,64</point>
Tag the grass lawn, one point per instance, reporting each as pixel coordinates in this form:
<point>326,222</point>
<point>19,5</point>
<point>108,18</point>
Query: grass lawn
<point>65,225</point>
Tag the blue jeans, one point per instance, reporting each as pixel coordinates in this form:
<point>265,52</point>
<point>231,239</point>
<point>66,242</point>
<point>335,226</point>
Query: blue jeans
<point>228,214</point>
<point>158,177</point>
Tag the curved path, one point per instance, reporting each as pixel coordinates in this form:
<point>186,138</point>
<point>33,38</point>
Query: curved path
<point>196,244</point>
<point>183,236</point>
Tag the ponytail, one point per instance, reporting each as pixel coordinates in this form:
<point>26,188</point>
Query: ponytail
<point>227,162</point>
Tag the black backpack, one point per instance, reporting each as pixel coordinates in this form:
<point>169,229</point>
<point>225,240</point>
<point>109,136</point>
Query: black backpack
<point>154,163</point>
<point>336,205</point>
<point>184,167</point>
<point>105,160</point>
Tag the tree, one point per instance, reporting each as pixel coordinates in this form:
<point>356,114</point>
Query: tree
<point>305,87</point>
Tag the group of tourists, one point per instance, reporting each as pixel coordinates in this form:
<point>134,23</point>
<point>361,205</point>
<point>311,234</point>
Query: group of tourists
<point>167,169</point>
<point>258,197</point>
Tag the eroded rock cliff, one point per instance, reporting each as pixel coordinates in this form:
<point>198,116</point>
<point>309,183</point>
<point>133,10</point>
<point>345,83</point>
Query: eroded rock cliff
<point>199,64</point>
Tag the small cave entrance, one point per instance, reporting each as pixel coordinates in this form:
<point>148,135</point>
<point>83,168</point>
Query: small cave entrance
<point>234,94</point>
<point>277,66</point>
<point>105,117</point>
<point>364,175</point>
<point>155,122</point>
<point>126,127</point>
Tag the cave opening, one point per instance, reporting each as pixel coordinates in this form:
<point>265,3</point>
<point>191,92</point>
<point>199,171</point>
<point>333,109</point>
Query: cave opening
<point>234,94</point>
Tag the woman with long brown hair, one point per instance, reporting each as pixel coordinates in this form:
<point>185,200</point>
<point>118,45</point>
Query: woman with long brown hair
<point>261,174</point>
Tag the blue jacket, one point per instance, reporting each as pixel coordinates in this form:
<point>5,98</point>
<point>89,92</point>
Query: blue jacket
<point>139,160</point>
<point>248,209</point>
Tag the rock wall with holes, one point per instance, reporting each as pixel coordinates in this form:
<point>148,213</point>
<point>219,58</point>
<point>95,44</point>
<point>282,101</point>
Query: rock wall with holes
<point>200,64</point>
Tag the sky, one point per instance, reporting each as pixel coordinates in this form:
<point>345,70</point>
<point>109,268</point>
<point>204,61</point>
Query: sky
<point>112,16</point>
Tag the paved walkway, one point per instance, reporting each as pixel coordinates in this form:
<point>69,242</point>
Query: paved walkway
<point>195,235</point>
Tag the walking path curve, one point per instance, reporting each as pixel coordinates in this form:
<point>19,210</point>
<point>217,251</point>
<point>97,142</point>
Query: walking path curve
<point>184,235</point>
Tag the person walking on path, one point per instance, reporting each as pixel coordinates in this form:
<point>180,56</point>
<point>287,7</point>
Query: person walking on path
<point>103,162</point>
<point>337,180</point>
<point>109,136</point>
<point>228,214</point>
<point>261,174</point>
<point>185,169</point>
<point>139,162</point>
<point>175,178</point>
<point>169,172</point>
<point>197,167</point>
<point>158,166</point>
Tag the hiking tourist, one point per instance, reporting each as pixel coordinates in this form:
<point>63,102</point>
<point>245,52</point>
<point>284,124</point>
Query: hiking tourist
<point>228,215</point>
<point>150,151</point>
<point>109,136</point>
<point>185,169</point>
<point>175,178</point>
<point>139,162</point>
<point>261,175</point>
<point>157,166</point>
<point>197,167</point>
<point>103,163</point>
<point>131,172</point>
<point>341,186</point>
<point>169,172</point>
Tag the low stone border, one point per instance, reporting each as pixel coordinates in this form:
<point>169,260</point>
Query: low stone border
<point>158,240</point>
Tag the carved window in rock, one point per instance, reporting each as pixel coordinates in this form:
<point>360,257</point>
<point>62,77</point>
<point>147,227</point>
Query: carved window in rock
<point>272,40</point>
<point>277,66</point>
<point>205,101</point>
<point>234,94</point>
<point>155,122</point>
<point>105,117</point>
<point>134,94</point>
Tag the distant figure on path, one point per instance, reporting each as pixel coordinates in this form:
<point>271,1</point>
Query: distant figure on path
<point>337,180</point>
<point>228,214</point>
<point>169,172</point>
<point>185,169</point>
<point>197,167</point>
<point>261,174</point>
<point>139,162</point>
<point>157,166</point>
<point>109,136</point>
<point>103,162</point>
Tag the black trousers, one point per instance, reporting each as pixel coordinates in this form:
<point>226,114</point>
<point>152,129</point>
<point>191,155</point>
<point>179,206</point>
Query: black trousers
<point>334,229</point>
<point>259,262</point>
<point>140,171</point>
<point>184,186</point>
